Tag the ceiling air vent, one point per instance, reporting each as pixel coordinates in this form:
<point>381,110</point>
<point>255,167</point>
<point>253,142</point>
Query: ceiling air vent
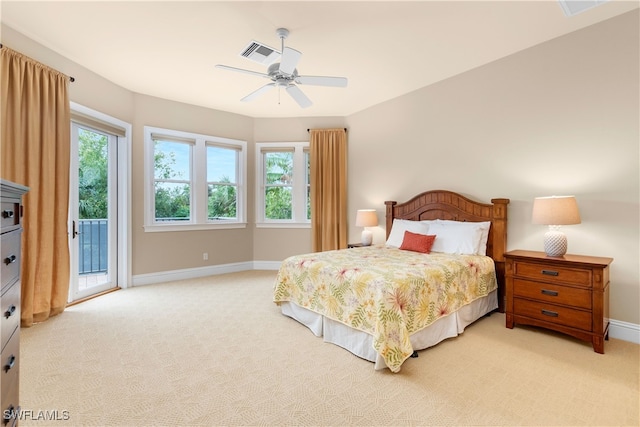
<point>260,53</point>
<point>574,7</point>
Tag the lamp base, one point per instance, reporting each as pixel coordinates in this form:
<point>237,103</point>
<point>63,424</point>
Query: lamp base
<point>367,238</point>
<point>555,243</point>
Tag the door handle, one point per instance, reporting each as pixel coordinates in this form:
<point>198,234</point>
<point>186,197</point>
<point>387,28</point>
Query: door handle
<point>74,232</point>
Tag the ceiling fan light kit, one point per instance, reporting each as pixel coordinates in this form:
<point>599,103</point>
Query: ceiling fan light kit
<point>283,74</point>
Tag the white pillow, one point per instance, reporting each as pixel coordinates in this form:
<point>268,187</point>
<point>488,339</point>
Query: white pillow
<point>398,228</point>
<point>455,240</point>
<point>483,226</point>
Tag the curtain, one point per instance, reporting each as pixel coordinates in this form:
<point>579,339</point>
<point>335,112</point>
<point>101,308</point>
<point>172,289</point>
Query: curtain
<point>35,149</point>
<point>328,155</point>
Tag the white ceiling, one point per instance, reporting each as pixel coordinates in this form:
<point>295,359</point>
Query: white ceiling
<point>386,49</point>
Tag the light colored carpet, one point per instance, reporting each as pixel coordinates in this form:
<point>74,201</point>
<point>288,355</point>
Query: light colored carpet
<point>217,351</point>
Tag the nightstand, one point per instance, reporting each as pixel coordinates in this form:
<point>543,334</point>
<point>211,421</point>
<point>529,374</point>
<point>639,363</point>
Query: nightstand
<point>354,245</point>
<point>568,294</point>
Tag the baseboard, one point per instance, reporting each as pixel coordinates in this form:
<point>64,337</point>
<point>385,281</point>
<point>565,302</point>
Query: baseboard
<point>266,265</point>
<point>617,329</point>
<point>190,273</point>
<point>624,331</point>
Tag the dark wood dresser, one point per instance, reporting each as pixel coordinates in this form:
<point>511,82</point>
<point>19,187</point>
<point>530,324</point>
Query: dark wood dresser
<point>569,294</point>
<point>11,229</point>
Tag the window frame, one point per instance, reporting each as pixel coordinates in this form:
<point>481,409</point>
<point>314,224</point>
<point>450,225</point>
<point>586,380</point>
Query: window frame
<point>300,185</point>
<point>198,181</point>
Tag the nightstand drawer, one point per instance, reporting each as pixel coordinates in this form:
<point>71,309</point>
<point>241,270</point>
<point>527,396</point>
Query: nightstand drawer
<point>555,294</point>
<point>553,313</point>
<point>552,273</point>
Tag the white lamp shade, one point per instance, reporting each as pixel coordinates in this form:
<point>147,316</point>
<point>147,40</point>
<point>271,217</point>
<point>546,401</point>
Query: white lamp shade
<point>366,218</point>
<point>555,210</point>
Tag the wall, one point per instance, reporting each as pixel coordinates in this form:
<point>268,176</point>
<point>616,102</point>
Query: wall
<point>162,251</point>
<point>559,118</point>
<point>89,89</point>
<point>165,251</point>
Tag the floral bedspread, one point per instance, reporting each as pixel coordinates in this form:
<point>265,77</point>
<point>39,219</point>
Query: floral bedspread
<point>386,292</point>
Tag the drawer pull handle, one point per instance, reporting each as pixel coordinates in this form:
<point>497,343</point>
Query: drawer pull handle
<point>550,293</point>
<point>7,214</point>
<point>550,272</point>
<point>10,362</point>
<point>10,311</point>
<point>10,259</point>
<point>549,313</point>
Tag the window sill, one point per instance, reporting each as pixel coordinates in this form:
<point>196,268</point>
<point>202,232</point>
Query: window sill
<point>156,228</point>
<point>283,225</point>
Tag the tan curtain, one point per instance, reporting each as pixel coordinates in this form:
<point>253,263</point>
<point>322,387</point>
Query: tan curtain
<point>35,141</point>
<point>328,154</point>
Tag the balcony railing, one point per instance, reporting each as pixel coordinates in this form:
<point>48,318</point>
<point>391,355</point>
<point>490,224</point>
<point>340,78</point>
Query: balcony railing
<point>93,246</point>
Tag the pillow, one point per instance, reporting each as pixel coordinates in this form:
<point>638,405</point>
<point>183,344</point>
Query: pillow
<point>483,226</point>
<point>398,228</point>
<point>417,242</point>
<point>455,240</point>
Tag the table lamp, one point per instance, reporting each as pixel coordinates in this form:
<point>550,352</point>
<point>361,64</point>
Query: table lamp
<point>366,218</point>
<point>555,211</point>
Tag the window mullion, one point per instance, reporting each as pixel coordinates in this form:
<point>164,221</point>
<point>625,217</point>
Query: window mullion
<point>199,192</point>
<point>260,184</point>
<point>299,188</point>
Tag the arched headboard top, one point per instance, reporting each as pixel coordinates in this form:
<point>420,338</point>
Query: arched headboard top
<point>443,204</point>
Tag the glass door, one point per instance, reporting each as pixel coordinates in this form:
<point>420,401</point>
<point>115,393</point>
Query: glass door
<point>92,212</point>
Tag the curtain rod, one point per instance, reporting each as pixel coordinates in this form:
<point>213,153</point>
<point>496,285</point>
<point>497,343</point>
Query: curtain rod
<point>71,79</point>
<point>345,129</point>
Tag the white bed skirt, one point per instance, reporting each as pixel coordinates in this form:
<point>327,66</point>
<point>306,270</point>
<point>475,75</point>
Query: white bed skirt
<point>361,343</point>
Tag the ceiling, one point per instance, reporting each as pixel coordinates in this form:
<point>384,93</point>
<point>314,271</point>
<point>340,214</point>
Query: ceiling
<point>386,49</point>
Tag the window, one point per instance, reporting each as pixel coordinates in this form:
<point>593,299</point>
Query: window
<point>193,181</point>
<point>172,180</point>
<point>283,180</point>
<point>222,183</point>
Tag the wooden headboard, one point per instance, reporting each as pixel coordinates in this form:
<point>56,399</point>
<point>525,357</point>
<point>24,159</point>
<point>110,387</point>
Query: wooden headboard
<point>442,204</point>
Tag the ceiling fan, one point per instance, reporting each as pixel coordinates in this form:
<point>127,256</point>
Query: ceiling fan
<point>284,74</point>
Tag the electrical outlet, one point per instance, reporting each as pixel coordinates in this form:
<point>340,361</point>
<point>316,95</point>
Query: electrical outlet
<point>205,256</point>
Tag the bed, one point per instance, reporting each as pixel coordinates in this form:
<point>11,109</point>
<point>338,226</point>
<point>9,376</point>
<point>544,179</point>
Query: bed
<point>383,302</point>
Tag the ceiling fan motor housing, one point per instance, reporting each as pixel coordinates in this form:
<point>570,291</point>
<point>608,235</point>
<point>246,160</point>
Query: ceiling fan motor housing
<point>275,73</point>
<point>284,74</point>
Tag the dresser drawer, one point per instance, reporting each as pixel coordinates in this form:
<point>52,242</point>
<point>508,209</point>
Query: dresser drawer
<point>553,313</point>
<point>552,273</point>
<point>9,214</point>
<point>9,364</point>
<point>550,292</point>
<point>10,319</point>
<point>9,257</point>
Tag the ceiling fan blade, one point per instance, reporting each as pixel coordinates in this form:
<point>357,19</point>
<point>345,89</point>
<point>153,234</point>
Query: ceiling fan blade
<point>322,81</point>
<point>298,96</point>
<point>256,93</point>
<point>242,70</point>
<point>289,60</point>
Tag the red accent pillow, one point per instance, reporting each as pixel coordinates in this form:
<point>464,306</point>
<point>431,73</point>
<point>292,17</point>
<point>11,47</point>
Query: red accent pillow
<point>417,242</point>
